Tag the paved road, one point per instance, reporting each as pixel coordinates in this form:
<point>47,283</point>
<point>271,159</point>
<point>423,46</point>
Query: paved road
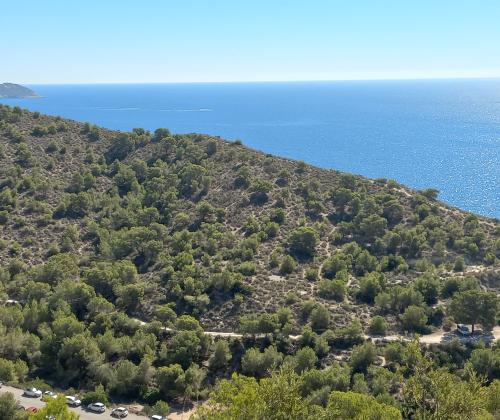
<point>84,415</point>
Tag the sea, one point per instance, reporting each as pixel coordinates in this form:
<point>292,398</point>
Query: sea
<point>442,134</point>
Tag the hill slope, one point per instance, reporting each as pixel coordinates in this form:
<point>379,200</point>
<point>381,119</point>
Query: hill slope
<point>11,90</point>
<point>326,274</point>
<point>217,229</point>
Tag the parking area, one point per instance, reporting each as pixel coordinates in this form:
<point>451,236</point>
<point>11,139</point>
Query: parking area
<point>84,415</point>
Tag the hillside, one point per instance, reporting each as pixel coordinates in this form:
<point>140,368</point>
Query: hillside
<point>96,224</point>
<point>11,90</point>
<point>234,208</point>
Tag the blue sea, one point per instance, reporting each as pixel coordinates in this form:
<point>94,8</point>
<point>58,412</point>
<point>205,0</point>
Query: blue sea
<point>436,133</point>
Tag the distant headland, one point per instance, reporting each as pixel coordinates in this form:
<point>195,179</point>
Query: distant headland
<point>11,90</point>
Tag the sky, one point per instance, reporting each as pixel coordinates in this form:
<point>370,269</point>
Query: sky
<point>152,41</point>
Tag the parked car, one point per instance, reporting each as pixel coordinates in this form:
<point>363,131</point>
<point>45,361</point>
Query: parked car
<point>463,330</point>
<point>73,401</point>
<point>157,417</point>
<point>32,393</point>
<point>120,412</point>
<point>32,410</point>
<point>48,394</point>
<point>97,407</point>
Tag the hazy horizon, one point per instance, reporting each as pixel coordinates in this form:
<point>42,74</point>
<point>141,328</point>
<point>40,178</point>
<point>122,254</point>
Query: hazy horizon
<point>256,81</point>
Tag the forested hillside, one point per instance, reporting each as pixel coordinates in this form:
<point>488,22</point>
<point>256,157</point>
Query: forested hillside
<point>100,229</point>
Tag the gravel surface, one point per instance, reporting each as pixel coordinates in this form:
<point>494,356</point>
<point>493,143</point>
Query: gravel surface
<point>84,415</point>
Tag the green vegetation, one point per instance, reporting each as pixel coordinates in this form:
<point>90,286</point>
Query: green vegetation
<point>55,407</point>
<point>9,408</point>
<point>190,233</point>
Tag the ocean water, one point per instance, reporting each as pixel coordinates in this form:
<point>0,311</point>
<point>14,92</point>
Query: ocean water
<point>439,133</point>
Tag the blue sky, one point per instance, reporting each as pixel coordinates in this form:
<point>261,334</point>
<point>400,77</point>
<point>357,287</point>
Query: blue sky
<point>98,41</point>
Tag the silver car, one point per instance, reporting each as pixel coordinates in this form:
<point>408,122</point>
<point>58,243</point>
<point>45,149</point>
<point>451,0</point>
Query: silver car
<point>32,393</point>
<point>120,412</point>
<point>97,407</point>
<point>73,401</point>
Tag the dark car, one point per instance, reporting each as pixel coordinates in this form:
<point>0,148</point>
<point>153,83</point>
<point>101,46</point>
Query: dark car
<point>463,330</point>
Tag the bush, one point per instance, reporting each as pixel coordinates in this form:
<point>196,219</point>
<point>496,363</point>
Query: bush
<point>459,264</point>
<point>319,318</point>
<point>13,371</point>
<point>414,319</point>
<point>259,364</point>
<point>448,323</point>
<point>334,264</point>
<point>287,265</point>
<point>161,408</point>
<point>247,268</point>
<point>39,131</point>
<point>378,325</point>
<point>311,274</point>
<point>97,395</point>
<point>428,285</point>
<point>362,357</point>
<point>221,355</point>
<point>303,241</point>
<point>370,286</point>
<point>332,289</point>
<point>305,359</point>
<point>349,335</point>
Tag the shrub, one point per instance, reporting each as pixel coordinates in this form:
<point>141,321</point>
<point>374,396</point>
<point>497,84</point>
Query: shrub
<point>303,241</point>
<point>319,318</point>
<point>259,364</point>
<point>161,408</point>
<point>362,357</point>
<point>414,319</point>
<point>247,268</point>
<point>287,265</point>
<point>370,286</point>
<point>97,395</point>
<point>332,289</point>
<point>305,359</point>
<point>378,325</point>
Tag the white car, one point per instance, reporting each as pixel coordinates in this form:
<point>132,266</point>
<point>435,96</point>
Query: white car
<point>97,407</point>
<point>120,412</point>
<point>157,417</point>
<point>73,401</point>
<point>32,393</point>
<point>49,394</point>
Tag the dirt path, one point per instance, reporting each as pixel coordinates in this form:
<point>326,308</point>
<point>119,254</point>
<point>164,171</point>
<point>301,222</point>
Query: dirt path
<point>210,333</point>
<point>433,338</point>
<point>443,336</point>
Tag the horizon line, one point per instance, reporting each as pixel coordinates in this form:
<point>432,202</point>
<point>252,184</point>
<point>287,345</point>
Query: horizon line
<point>388,79</point>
